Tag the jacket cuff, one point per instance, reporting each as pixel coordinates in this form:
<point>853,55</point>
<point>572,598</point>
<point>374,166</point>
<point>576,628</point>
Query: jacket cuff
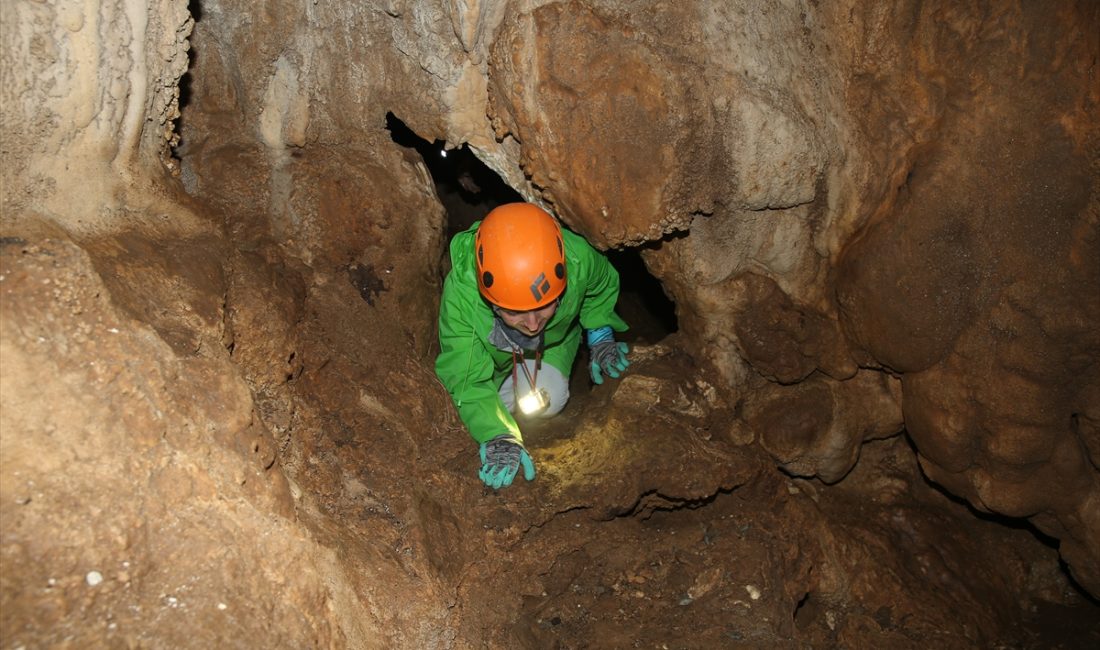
<point>599,335</point>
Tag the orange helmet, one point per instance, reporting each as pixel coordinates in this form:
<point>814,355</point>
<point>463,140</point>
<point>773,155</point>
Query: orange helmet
<point>520,257</point>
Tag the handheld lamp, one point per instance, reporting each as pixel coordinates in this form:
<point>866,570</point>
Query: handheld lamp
<point>534,402</point>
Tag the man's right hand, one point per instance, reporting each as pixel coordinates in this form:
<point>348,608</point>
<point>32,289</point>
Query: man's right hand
<point>501,459</point>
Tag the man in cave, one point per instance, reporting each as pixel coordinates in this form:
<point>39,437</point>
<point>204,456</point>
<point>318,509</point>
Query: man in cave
<point>519,292</point>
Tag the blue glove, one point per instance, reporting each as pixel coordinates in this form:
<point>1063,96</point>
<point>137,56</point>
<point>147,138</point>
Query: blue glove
<point>607,356</point>
<point>500,461</point>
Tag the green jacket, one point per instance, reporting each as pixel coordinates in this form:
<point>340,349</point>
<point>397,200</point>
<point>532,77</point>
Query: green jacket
<point>472,369</point>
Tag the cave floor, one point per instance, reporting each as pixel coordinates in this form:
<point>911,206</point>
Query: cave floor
<point>652,524</point>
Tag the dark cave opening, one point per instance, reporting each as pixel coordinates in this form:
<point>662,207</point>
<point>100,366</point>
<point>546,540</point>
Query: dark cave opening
<point>466,187</point>
<point>183,99</point>
<point>469,189</point>
<point>643,303</point>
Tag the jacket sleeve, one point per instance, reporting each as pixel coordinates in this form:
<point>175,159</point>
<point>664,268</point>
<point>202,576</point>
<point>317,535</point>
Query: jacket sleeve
<point>601,290</point>
<point>466,369</point>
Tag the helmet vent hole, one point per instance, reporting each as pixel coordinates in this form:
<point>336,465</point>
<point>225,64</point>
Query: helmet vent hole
<point>487,279</point>
<point>559,270</point>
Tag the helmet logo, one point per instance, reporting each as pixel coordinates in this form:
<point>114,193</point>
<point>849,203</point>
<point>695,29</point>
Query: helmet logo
<point>540,286</point>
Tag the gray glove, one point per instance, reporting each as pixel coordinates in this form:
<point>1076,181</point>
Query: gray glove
<point>607,356</point>
<point>501,458</point>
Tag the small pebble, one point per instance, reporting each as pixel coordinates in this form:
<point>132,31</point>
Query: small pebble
<point>93,578</point>
<point>223,606</point>
<point>754,593</point>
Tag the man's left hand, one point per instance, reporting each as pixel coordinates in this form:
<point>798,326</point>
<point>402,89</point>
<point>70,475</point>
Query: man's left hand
<point>608,358</point>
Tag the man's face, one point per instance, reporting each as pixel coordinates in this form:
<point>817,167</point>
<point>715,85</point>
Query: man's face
<point>528,323</point>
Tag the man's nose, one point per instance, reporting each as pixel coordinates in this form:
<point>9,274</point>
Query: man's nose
<point>530,321</point>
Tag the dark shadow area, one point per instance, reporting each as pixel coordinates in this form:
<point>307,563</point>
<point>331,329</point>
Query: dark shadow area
<point>1014,523</point>
<point>195,8</point>
<point>466,187</point>
<point>184,86</point>
<point>642,301</point>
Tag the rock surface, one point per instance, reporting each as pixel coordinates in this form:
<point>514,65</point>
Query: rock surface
<point>217,329</point>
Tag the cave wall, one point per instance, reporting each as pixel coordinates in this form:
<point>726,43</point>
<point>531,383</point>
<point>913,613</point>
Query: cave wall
<point>89,103</point>
<point>885,216</point>
<point>982,287</point>
<point>871,218</point>
<point>151,342</point>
